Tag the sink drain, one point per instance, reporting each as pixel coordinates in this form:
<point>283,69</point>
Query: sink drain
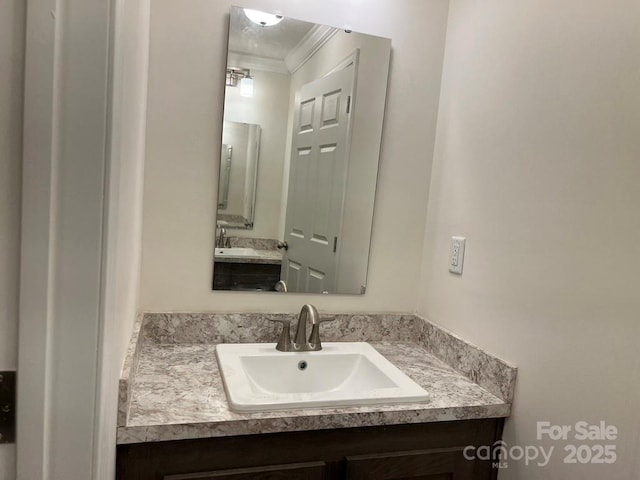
<point>302,365</point>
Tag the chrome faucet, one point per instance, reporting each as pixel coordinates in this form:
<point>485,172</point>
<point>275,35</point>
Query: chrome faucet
<point>223,241</point>
<point>308,312</point>
<point>300,344</point>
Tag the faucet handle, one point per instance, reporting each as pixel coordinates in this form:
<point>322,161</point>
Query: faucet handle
<point>284,342</point>
<point>314,338</point>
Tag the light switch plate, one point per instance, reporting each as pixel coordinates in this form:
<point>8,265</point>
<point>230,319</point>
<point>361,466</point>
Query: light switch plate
<point>456,258</point>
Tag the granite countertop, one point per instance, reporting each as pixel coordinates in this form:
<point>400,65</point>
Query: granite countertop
<point>271,257</point>
<point>176,391</point>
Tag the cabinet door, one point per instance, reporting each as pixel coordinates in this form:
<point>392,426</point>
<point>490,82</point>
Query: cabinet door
<point>221,276</point>
<point>292,471</point>
<point>438,464</point>
<point>254,276</point>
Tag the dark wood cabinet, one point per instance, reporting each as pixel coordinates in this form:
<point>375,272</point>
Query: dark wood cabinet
<point>436,464</point>
<point>430,451</point>
<point>297,471</point>
<point>245,276</point>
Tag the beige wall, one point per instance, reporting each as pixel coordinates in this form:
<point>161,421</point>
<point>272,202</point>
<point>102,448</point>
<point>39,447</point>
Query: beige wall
<point>184,120</point>
<point>537,164</point>
<point>12,23</point>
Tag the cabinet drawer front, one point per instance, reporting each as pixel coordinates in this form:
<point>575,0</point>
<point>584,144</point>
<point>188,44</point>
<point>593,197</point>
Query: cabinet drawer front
<point>437,464</point>
<point>292,471</point>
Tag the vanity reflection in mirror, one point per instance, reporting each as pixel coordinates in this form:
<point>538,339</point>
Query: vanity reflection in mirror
<point>303,114</point>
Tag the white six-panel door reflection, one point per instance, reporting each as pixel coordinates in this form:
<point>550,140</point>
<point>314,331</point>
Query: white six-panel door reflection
<point>317,180</point>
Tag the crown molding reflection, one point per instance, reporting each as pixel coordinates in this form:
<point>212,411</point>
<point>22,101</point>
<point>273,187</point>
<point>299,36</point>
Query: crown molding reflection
<point>310,44</point>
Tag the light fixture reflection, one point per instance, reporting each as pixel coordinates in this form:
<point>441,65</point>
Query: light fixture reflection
<point>263,19</point>
<point>246,87</point>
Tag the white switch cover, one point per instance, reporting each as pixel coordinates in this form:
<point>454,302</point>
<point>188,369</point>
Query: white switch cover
<point>456,259</point>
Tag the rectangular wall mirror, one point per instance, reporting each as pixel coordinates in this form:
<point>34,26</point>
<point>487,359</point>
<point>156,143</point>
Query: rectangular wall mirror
<point>303,113</point>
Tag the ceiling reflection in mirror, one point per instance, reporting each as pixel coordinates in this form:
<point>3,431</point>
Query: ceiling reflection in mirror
<point>303,113</point>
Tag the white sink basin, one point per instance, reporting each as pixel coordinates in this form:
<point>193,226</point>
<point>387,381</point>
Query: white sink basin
<point>235,252</point>
<point>257,377</point>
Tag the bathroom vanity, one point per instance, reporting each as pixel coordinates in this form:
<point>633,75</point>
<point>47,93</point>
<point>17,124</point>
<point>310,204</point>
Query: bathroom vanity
<point>175,422</point>
<point>246,276</point>
<point>425,451</point>
<point>247,268</point>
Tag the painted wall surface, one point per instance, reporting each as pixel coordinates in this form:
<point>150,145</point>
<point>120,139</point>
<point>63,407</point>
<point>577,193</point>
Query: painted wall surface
<point>12,24</point>
<point>268,108</point>
<point>537,164</point>
<point>187,58</point>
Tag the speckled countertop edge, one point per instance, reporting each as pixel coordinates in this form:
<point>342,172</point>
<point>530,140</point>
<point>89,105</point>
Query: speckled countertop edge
<point>269,257</point>
<point>129,368</point>
<point>160,433</point>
